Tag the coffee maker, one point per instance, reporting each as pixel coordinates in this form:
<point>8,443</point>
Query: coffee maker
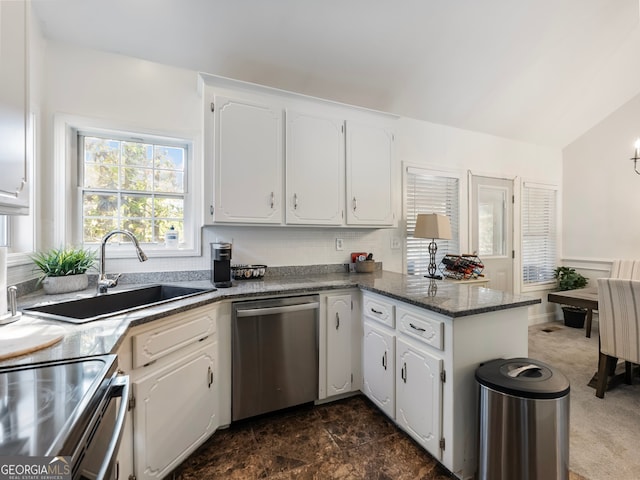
<point>221,264</point>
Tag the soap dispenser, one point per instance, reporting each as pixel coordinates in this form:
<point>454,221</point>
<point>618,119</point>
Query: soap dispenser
<point>171,238</point>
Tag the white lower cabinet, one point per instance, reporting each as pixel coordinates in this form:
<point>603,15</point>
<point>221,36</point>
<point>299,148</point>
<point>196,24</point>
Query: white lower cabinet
<point>434,389</point>
<point>339,371</point>
<point>175,411</point>
<point>378,367</point>
<point>174,400</point>
<point>419,395</point>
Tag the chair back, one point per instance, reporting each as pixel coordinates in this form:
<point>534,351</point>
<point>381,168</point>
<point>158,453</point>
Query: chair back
<point>629,269</point>
<point>619,318</point>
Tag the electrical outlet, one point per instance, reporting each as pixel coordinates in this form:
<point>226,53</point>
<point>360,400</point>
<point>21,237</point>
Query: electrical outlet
<point>395,243</point>
<point>339,245</point>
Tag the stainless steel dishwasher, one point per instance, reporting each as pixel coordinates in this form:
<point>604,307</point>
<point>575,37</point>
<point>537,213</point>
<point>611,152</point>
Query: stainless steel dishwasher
<point>274,354</point>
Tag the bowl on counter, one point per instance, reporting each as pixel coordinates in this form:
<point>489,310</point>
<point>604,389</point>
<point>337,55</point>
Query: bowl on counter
<point>248,272</point>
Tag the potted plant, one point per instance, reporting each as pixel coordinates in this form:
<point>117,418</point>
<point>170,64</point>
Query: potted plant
<point>569,279</point>
<point>64,269</point>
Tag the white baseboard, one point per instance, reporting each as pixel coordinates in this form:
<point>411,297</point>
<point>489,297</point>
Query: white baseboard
<point>542,318</point>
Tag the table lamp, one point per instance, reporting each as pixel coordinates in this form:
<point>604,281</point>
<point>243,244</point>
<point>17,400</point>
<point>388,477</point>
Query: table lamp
<point>433,226</point>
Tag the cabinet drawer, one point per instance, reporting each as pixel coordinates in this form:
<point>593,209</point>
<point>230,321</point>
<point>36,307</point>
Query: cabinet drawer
<point>419,325</point>
<point>187,328</point>
<point>379,309</point>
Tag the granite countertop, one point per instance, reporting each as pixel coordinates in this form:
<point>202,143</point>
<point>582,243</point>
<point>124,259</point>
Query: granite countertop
<point>453,299</point>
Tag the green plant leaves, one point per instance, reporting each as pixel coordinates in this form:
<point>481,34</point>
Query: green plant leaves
<point>64,261</point>
<point>569,279</point>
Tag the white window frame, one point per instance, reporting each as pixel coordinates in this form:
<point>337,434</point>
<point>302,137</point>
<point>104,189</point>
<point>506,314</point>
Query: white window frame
<point>68,199</point>
<point>554,224</point>
<point>462,241</point>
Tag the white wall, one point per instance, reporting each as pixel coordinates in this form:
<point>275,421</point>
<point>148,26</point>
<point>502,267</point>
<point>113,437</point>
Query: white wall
<point>601,194</point>
<point>154,97</point>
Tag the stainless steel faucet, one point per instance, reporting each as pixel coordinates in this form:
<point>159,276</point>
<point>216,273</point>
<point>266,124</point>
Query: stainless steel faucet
<point>105,283</point>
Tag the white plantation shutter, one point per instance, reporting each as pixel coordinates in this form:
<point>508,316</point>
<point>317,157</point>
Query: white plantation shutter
<point>539,233</point>
<point>430,193</point>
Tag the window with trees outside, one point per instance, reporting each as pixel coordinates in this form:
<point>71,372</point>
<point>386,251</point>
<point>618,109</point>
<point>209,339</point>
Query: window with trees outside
<point>131,184</point>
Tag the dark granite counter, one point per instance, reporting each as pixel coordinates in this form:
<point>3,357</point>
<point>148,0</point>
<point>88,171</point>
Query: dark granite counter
<point>450,298</point>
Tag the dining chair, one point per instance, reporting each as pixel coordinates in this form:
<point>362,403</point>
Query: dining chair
<point>629,269</point>
<point>619,325</point>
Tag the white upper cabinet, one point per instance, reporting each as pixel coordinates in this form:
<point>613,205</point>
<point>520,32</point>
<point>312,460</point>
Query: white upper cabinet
<point>369,175</point>
<point>314,169</point>
<point>14,194</point>
<point>280,158</point>
<point>248,162</point>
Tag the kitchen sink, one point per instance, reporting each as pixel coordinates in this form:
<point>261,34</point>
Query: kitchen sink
<point>89,309</point>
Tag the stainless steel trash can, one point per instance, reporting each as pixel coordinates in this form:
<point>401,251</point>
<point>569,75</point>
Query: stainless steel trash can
<point>524,421</point>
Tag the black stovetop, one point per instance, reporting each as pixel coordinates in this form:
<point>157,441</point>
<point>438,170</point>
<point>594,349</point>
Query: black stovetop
<point>43,404</point>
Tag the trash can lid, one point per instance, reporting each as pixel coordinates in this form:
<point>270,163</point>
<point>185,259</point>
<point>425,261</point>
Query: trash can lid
<point>523,377</point>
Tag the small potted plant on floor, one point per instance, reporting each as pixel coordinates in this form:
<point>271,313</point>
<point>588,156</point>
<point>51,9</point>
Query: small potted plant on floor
<point>569,279</point>
<point>64,269</point>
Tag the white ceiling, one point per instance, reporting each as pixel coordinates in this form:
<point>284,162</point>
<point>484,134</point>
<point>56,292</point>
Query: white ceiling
<point>541,71</point>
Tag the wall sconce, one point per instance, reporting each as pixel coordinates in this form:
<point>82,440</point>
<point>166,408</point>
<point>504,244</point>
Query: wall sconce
<point>636,156</point>
<point>432,225</point>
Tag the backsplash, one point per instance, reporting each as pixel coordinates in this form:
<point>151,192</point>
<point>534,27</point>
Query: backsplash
<point>138,278</point>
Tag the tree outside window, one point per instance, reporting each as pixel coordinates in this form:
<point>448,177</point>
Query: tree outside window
<point>134,185</point>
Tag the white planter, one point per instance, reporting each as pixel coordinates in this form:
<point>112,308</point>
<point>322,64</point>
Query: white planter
<point>66,284</point>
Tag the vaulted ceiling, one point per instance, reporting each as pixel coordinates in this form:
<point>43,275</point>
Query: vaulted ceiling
<point>541,71</point>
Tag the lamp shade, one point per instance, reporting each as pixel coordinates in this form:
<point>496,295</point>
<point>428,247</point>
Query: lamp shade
<point>432,225</point>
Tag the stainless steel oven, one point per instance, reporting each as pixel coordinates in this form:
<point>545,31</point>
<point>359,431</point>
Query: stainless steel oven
<point>69,408</point>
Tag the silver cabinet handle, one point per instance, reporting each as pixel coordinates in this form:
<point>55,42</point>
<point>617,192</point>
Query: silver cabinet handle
<point>273,199</point>
<point>295,201</point>
<point>417,328</point>
<point>209,377</point>
<point>355,204</point>
<point>337,320</point>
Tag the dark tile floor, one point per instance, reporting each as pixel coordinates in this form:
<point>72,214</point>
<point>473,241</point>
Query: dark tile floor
<point>347,439</point>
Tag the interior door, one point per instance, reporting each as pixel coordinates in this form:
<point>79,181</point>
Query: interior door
<point>492,229</point>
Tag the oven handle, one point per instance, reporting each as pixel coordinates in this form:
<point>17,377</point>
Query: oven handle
<point>118,388</point>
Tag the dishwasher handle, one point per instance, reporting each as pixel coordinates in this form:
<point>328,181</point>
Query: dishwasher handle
<point>252,312</point>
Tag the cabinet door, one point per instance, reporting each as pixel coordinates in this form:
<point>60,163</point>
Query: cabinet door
<point>378,360</point>
<point>338,344</point>
<point>315,169</point>
<point>369,175</point>
<point>248,162</point>
<point>419,396</point>
<point>14,196</point>
<point>175,411</point>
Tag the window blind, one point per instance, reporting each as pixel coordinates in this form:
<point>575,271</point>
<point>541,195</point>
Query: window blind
<point>539,234</point>
<point>428,193</point>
